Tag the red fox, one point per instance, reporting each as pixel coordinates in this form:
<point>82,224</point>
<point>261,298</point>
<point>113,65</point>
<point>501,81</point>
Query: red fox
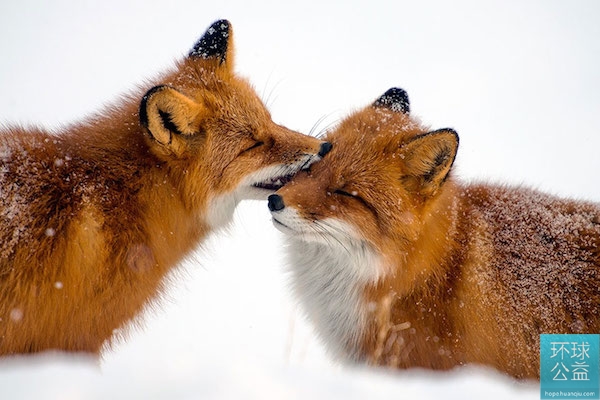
<point>94,217</point>
<point>399,264</point>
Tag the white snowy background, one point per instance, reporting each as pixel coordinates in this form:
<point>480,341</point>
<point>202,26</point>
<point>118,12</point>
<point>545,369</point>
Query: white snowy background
<point>519,80</point>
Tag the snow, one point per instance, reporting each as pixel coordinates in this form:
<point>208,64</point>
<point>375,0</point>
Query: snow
<point>517,80</point>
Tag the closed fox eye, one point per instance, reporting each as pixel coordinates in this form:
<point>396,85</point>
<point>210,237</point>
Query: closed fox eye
<point>353,194</point>
<point>347,194</point>
<point>253,146</point>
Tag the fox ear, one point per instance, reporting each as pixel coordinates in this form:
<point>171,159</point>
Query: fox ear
<point>395,99</point>
<point>428,159</point>
<point>216,43</point>
<point>167,115</point>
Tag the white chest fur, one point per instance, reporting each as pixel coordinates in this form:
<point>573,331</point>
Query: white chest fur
<point>328,279</point>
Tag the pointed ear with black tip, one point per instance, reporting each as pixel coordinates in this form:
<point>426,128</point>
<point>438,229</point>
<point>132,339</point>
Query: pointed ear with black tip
<point>168,114</point>
<point>216,43</point>
<point>428,159</point>
<point>394,99</point>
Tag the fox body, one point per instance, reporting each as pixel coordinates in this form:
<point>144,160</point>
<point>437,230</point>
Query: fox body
<point>397,263</point>
<point>95,216</point>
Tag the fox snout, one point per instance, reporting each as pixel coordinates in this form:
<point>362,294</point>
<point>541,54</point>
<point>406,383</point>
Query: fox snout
<point>275,201</point>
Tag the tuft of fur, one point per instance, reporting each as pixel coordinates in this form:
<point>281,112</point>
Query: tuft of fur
<point>94,217</point>
<point>455,273</point>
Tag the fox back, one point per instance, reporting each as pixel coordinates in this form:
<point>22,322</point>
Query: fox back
<point>399,264</point>
<point>93,217</point>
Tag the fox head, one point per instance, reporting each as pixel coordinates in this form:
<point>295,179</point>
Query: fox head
<point>209,128</point>
<point>381,179</point>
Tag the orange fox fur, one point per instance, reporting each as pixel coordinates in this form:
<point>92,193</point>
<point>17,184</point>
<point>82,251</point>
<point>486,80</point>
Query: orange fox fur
<point>93,218</point>
<point>399,264</point>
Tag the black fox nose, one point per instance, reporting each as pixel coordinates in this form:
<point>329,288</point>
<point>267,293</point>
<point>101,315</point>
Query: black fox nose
<point>325,148</point>
<point>276,202</point>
